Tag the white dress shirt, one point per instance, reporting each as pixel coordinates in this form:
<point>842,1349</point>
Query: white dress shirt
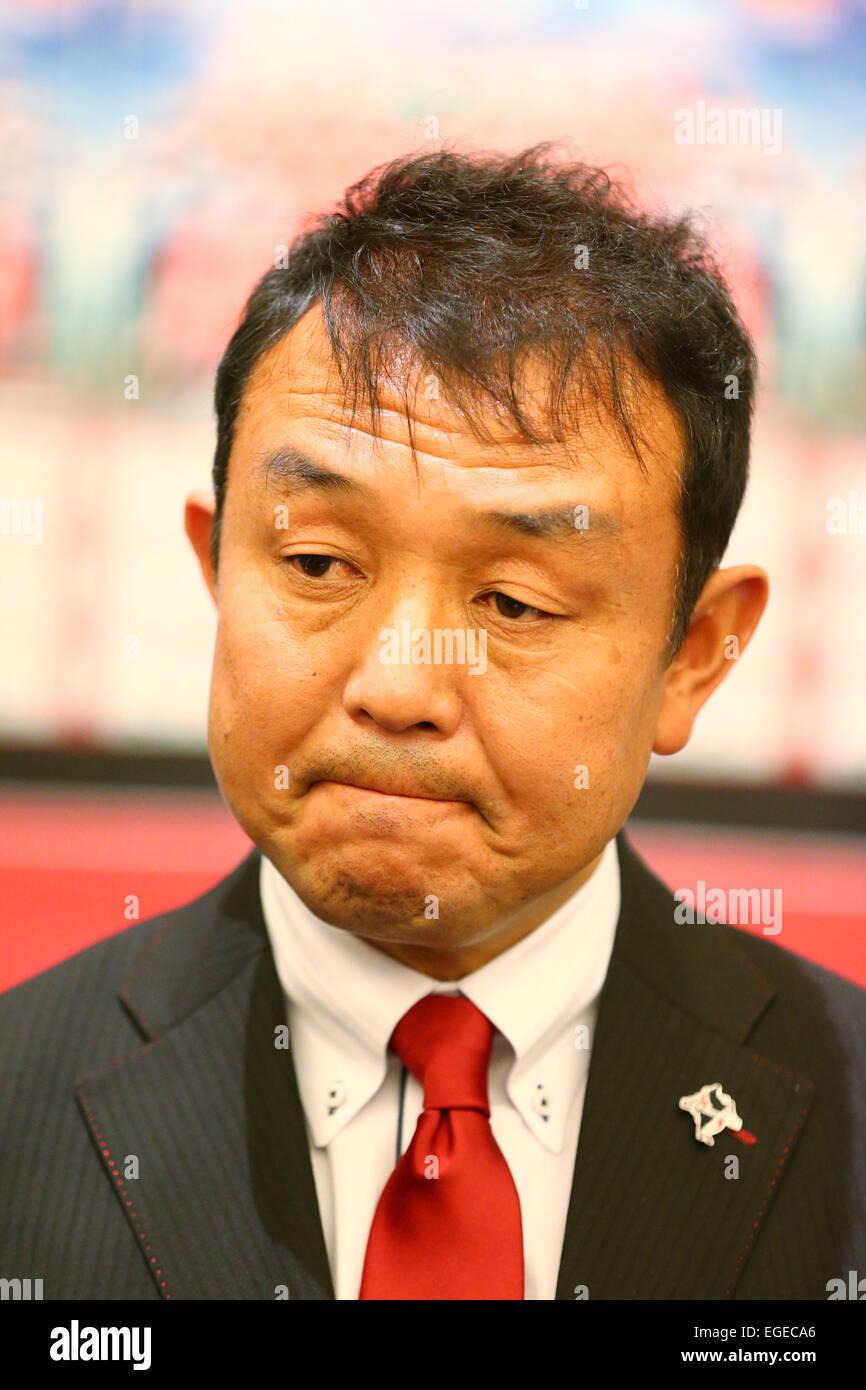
<point>344,998</point>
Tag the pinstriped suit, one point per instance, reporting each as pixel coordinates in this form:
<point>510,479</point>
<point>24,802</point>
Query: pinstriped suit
<point>158,1043</point>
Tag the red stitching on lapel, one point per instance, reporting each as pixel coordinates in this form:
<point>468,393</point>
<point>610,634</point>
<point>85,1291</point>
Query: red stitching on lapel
<point>766,1062</point>
<point>756,1223</point>
<point>106,1154</point>
<point>115,1061</point>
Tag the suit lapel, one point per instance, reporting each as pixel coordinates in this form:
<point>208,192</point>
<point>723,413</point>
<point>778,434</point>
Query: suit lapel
<point>654,1213</point>
<point>224,1204</point>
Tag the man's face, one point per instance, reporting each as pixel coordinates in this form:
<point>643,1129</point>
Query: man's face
<point>425,801</point>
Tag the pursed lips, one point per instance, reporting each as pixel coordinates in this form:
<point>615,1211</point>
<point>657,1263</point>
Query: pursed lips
<point>389,789</point>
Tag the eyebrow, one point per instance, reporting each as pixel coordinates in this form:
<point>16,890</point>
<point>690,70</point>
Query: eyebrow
<point>294,471</point>
<point>555,521</point>
<point>291,470</point>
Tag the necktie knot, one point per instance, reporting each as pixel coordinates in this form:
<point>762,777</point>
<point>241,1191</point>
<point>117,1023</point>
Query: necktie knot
<point>446,1041</point>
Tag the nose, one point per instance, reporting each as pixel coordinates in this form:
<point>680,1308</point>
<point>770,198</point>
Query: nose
<point>401,680</point>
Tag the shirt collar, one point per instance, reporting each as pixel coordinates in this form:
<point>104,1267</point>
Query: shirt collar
<point>345,997</point>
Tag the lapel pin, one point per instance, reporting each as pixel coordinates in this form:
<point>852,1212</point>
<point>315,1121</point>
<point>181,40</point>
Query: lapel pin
<point>711,1118</point>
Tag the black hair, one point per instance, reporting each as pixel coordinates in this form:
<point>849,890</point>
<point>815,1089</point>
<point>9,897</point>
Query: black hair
<point>474,260</point>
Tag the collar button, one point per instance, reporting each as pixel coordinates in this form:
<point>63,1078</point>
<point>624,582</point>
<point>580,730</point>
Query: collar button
<point>541,1102</point>
<point>335,1096</point>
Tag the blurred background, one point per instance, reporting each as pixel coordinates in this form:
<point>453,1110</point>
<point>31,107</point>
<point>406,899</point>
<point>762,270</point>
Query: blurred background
<point>152,157</point>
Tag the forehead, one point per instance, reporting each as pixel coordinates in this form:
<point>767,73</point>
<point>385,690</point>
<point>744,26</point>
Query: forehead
<point>294,393</point>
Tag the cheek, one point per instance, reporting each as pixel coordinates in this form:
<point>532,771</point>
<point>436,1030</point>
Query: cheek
<point>267,685</point>
<point>579,725</point>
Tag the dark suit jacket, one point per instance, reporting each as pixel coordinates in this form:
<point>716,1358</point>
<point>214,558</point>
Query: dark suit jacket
<point>158,1044</point>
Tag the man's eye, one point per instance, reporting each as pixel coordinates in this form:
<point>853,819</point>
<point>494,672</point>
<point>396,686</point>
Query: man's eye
<point>509,607</point>
<point>312,566</point>
<point>317,567</point>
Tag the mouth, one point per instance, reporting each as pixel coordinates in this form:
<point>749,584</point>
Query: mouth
<point>392,790</point>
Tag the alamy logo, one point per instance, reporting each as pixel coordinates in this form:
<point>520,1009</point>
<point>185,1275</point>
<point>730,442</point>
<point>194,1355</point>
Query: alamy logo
<point>420,646</point>
<point>731,125</point>
<point>22,516</point>
<point>20,1289</point>
<point>736,906</point>
<point>76,1343</point>
<point>854,1289</point>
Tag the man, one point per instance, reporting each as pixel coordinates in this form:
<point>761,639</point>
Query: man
<point>482,438</point>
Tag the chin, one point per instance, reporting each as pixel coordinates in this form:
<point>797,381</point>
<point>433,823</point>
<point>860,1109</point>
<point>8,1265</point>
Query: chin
<point>372,890</point>
<point>392,900</point>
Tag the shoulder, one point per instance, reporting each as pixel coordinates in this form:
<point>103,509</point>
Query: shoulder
<point>844,998</point>
<point>805,1015</point>
<point>820,1015</point>
<point>56,1021</point>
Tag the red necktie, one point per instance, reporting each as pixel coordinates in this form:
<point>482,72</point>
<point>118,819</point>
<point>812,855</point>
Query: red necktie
<point>448,1221</point>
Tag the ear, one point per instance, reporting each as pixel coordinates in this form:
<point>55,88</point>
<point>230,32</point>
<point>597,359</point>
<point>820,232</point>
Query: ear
<point>725,616</point>
<point>198,521</point>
